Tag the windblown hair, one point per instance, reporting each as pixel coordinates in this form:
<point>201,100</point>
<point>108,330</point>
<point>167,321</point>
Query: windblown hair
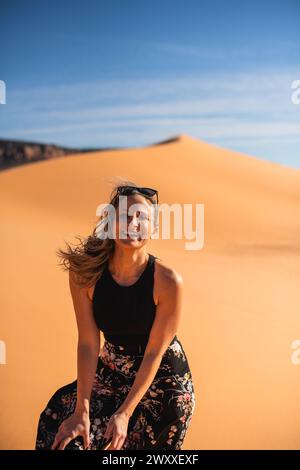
<point>88,258</point>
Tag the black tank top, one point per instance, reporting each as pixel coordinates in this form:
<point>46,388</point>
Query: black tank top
<point>125,313</point>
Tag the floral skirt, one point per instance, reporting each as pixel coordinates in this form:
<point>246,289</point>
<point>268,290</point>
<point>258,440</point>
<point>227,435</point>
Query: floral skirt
<point>159,421</point>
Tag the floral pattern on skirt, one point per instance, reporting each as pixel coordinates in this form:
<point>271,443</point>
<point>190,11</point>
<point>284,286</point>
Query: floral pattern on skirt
<point>159,421</point>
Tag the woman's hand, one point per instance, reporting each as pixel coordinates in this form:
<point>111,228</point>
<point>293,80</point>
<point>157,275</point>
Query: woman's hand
<point>117,429</point>
<point>78,424</point>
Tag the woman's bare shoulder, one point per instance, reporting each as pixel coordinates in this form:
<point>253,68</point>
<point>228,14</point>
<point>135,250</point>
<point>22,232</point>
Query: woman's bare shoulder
<point>76,283</point>
<point>166,275</point>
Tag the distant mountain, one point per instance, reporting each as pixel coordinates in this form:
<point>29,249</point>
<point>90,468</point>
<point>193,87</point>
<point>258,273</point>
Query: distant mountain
<point>16,152</point>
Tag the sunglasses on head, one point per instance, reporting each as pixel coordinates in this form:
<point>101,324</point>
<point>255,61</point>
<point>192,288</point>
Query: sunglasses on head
<point>128,190</point>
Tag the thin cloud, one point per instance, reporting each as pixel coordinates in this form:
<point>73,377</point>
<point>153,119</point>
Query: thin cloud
<point>237,108</point>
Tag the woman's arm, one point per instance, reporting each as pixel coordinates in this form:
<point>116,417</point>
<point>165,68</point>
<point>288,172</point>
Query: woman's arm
<point>163,330</point>
<point>88,348</point>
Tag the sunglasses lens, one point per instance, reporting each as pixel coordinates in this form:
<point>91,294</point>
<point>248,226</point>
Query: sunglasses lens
<point>126,190</point>
<point>148,191</point>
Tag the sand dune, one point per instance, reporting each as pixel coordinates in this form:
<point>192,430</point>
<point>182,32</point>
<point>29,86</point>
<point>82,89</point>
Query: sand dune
<point>241,305</point>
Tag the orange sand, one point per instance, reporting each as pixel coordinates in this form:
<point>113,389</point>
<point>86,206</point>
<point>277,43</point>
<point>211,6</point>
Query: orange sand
<point>241,304</point>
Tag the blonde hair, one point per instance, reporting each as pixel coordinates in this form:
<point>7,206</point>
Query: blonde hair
<point>88,258</point>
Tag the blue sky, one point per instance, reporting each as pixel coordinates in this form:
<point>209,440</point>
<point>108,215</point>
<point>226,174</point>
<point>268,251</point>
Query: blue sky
<point>131,73</point>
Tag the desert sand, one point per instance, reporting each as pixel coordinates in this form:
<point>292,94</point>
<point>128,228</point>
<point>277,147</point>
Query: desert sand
<point>241,308</point>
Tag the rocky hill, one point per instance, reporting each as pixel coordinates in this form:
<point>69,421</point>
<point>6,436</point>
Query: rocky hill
<point>17,152</point>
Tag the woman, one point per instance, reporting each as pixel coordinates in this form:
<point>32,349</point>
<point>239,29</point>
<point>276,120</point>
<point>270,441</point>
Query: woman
<point>138,393</point>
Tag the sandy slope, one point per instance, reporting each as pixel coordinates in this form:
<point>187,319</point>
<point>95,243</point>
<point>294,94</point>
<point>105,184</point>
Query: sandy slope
<point>241,306</point>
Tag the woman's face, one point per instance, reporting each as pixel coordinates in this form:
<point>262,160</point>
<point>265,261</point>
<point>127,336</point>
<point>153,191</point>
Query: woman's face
<point>133,226</point>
